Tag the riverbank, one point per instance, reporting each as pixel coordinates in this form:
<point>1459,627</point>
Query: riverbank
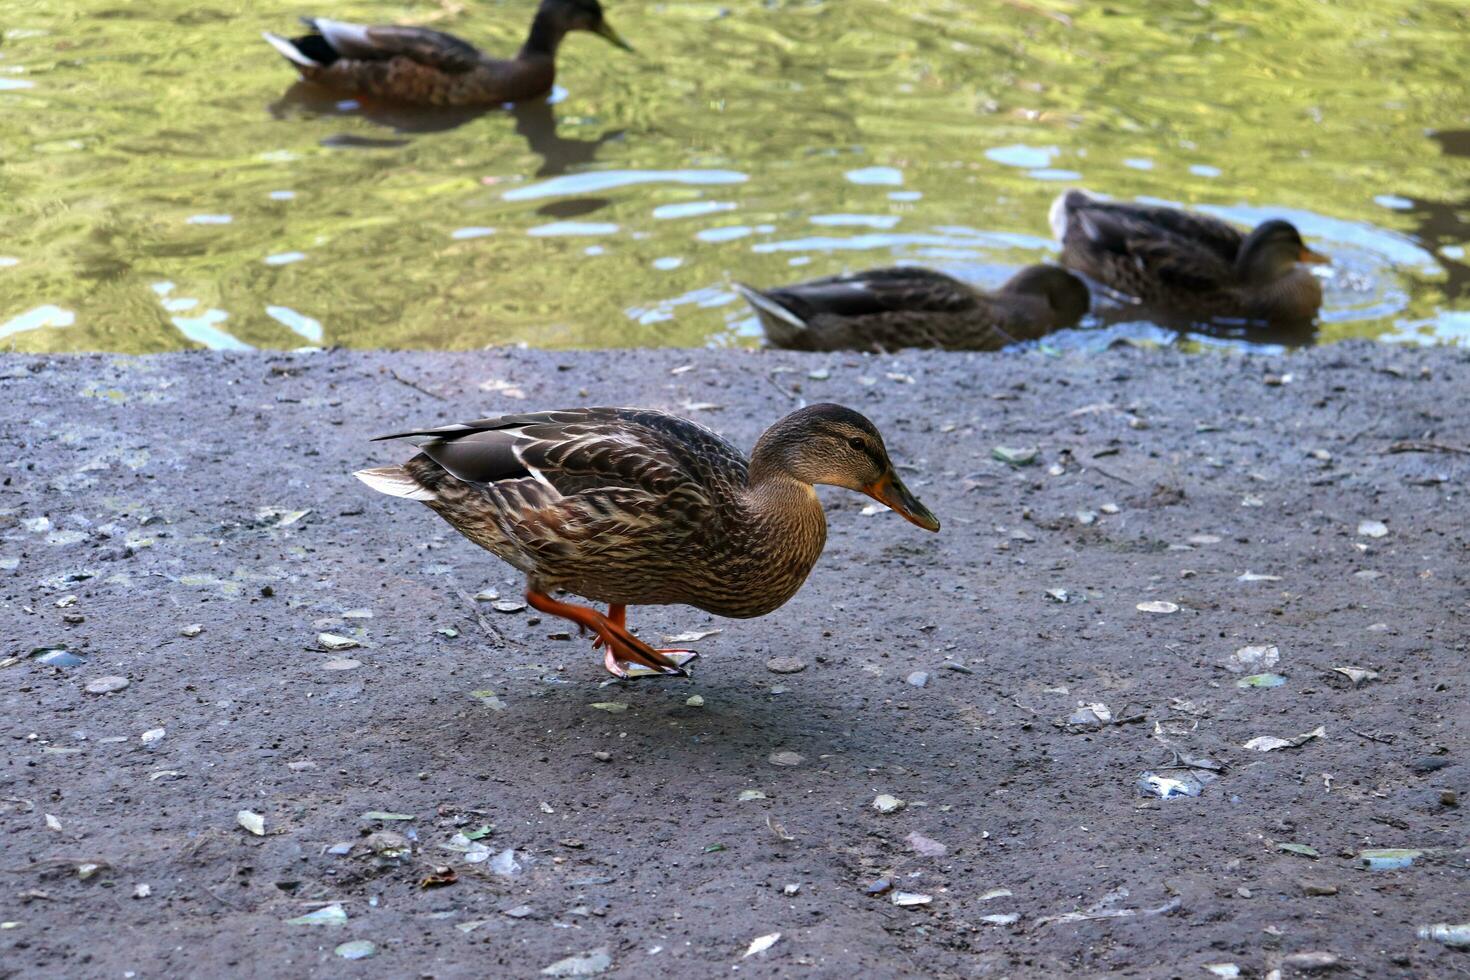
<point>296,647</point>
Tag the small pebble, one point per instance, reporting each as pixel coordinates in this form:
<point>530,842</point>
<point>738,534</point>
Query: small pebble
<point>785,665</point>
<point>918,678</point>
<point>602,756</point>
<point>193,629</point>
<point>106,685</point>
<point>508,605</point>
<point>787,759</point>
<point>1314,889</point>
<point>343,663</point>
<point>885,803</point>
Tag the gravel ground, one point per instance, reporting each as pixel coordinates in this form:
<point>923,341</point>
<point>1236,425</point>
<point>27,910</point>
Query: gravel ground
<point>188,523</point>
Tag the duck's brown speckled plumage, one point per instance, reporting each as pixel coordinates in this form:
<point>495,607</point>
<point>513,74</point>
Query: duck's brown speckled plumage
<point>632,506</point>
<point>621,506</point>
<point>1181,262</point>
<point>427,67</point>
<point>890,309</point>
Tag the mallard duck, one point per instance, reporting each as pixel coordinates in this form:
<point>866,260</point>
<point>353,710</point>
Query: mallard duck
<point>417,65</point>
<point>1188,263</point>
<point>631,506</point>
<point>889,309</point>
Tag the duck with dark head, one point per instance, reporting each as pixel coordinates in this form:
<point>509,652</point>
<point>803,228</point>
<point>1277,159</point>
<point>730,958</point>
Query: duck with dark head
<point>425,67</point>
<point>907,306</point>
<point>1189,264</point>
<point>630,506</point>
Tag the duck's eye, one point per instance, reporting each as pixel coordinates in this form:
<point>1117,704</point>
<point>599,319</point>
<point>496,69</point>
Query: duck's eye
<point>857,444</point>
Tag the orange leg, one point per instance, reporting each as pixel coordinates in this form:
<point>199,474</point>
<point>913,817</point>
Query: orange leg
<point>617,614</point>
<point>622,646</point>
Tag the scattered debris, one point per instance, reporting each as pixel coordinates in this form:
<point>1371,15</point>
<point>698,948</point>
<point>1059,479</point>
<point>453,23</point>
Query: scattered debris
<point>747,795</point>
<point>925,846</point>
<point>1301,850</point>
<point>1357,675</point>
<point>885,803</point>
<point>1388,858</point>
<point>787,759</point>
<point>1270,743</point>
<point>356,949</point>
<point>882,886</point>
<point>1171,787</point>
<point>1312,960</point>
<point>908,900</point>
<point>1253,659</point>
<point>342,663</point>
<point>330,915</point>
<point>1103,909</point>
<point>1261,680</point>
<point>386,815</point>
<point>442,875</point>
<point>693,636</point>
<point>586,965</point>
<point>192,630</point>
<point>1157,607</point>
<point>761,943</point>
<point>611,707</point>
<point>785,665</point>
<point>505,864</point>
<point>251,821</point>
<point>107,685</point>
<point>1016,457</point>
<point>152,736</point>
<point>1253,577</point>
<point>1372,529</point>
<point>1001,919</point>
<point>333,641</point>
<point>142,890</point>
<point>1457,936</point>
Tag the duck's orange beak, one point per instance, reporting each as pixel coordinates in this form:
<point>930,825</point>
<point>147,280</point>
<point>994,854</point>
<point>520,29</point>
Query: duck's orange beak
<point>889,489</point>
<point>1313,258</point>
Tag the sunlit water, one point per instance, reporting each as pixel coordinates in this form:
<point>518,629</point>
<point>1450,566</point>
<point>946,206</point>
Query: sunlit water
<point>165,185</point>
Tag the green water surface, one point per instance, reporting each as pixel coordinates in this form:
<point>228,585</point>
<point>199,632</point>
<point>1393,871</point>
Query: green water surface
<point>165,183</point>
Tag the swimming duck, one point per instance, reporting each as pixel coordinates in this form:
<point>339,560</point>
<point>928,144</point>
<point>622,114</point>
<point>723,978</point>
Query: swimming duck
<point>630,506</point>
<point>889,309</point>
<point>417,65</point>
<point>1186,262</point>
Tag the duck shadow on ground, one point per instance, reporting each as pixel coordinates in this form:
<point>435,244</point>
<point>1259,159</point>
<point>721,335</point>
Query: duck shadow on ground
<point>535,122</point>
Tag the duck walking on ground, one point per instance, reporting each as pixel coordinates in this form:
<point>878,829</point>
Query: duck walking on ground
<point>630,506</point>
<point>889,309</point>
<point>425,67</point>
<point>1187,263</point>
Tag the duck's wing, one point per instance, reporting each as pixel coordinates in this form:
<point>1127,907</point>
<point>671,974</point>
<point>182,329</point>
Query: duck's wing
<point>433,49</point>
<point>1146,248</point>
<point>550,458</point>
<point>898,289</point>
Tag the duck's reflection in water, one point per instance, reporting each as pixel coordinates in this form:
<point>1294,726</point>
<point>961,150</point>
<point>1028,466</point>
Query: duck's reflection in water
<point>535,122</point>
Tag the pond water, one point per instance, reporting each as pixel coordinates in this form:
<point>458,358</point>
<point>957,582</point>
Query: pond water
<point>166,185</point>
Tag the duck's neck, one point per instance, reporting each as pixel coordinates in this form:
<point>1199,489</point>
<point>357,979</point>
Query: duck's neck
<point>544,39</point>
<point>786,531</point>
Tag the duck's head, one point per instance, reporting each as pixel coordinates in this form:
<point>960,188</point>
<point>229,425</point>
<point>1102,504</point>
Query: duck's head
<point>580,15</point>
<point>1064,293</point>
<point>833,445</point>
<point>1272,250</point>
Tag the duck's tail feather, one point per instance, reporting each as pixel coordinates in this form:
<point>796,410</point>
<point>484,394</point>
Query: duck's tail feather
<point>1060,214</point>
<point>289,50</point>
<point>396,481</point>
<point>782,325</point>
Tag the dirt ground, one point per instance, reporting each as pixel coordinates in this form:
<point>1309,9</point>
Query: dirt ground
<point>143,497</point>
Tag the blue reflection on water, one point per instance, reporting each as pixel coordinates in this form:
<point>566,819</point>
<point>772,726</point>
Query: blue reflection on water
<point>878,176</point>
<point>41,316</point>
<point>602,180</point>
<point>1021,155</point>
<point>690,209</point>
<point>574,228</point>
<point>300,323</point>
<point>202,329</point>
